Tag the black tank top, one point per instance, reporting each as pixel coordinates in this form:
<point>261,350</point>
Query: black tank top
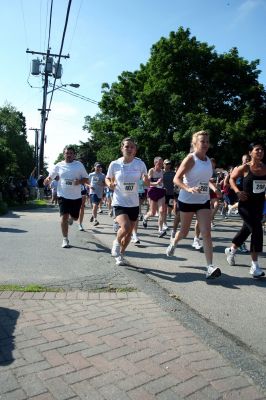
<point>254,185</point>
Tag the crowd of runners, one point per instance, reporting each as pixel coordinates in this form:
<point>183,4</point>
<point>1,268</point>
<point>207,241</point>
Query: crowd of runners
<point>196,188</point>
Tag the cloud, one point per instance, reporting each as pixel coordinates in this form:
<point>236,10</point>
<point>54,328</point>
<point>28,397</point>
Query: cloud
<point>246,8</point>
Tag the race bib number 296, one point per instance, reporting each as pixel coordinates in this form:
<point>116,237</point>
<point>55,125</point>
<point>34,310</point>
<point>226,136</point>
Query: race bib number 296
<point>259,186</point>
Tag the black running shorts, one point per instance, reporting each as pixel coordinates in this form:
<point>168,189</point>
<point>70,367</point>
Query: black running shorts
<point>68,206</point>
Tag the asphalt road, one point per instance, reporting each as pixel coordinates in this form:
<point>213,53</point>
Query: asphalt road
<point>31,253</point>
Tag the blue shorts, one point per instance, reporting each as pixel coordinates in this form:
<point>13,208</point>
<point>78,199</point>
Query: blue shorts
<point>95,199</point>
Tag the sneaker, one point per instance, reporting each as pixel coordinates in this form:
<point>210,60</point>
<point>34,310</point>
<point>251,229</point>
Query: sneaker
<point>243,248</point>
<point>115,227</point>
<point>144,223</point>
<point>65,243</point>
<point>173,233</point>
<point>170,250</point>
<point>141,217</point>
<point>229,209</point>
<point>196,244</point>
<point>120,260</point>
<point>135,240</point>
<point>95,223</point>
<point>70,221</point>
<point>213,272</point>
<point>212,225</point>
<point>91,218</point>
<point>81,227</point>
<point>256,271</point>
<point>165,227</point>
<point>115,252</point>
<point>230,257</point>
<point>100,211</point>
<point>111,213</point>
<point>161,234</point>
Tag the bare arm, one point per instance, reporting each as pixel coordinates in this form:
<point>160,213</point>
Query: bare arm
<point>185,166</point>
<point>238,172</point>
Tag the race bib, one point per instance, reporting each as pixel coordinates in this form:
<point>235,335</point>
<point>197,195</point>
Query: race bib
<point>67,182</point>
<point>259,186</point>
<point>203,187</point>
<point>129,187</point>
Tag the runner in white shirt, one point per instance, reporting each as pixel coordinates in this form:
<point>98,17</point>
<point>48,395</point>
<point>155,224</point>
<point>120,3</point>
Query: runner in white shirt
<point>122,176</point>
<point>71,175</point>
<point>193,177</point>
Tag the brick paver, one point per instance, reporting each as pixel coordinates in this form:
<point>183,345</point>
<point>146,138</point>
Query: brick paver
<point>107,346</point>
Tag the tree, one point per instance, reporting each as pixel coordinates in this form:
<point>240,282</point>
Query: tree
<point>17,156</point>
<point>184,87</point>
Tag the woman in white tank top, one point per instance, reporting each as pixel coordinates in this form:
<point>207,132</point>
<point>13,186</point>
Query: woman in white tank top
<point>193,178</point>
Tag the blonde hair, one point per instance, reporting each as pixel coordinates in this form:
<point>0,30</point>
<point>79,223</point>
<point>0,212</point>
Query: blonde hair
<point>128,139</point>
<point>196,135</point>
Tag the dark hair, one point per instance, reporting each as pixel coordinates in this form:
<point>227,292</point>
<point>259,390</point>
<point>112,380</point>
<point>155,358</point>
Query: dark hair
<point>255,144</point>
<point>69,148</point>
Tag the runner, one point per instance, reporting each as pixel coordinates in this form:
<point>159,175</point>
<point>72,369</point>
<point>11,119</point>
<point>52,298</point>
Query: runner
<point>122,176</point>
<point>96,184</point>
<point>156,195</point>
<point>193,178</point>
<point>250,207</point>
<point>71,175</point>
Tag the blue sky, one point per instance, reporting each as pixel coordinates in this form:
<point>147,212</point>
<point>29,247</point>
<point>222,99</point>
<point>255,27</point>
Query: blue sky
<point>104,38</point>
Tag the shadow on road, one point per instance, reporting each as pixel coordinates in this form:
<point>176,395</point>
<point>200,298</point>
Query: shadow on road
<point>8,320</point>
<point>12,230</point>
<point>227,281</point>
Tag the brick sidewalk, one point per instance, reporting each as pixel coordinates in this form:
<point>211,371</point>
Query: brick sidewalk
<point>80,345</point>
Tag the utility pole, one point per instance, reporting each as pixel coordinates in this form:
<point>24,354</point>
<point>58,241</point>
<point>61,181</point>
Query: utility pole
<point>36,149</point>
<point>50,68</point>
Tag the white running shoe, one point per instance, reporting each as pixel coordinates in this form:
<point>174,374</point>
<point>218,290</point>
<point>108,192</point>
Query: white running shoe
<point>81,227</point>
<point>212,272</point>
<point>120,260</point>
<point>115,226</point>
<point>161,233</point>
<point>165,227</point>
<point>173,233</point>
<point>135,239</point>
<point>65,243</point>
<point>115,252</point>
<point>256,271</point>
<point>70,221</point>
<point>170,250</point>
<point>230,257</point>
<point>196,243</point>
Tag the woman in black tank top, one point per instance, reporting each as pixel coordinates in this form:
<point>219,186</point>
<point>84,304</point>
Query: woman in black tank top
<point>251,201</point>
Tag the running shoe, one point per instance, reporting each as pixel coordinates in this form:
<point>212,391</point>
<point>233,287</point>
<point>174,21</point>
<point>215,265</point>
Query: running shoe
<point>256,271</point>
<point>230,257</point>
<point>120,261</point>
<point>135,240</point>
<point>95,223</point>
<point>70,221</point>
<point>161,233</point>
<point>212,272</point>
<point>144,223</point>
<point>229,210</point>
<point>165,227</point>
<point>65,243</point>
<point>196,243</point>
<point>170,250</point>
<point>173,233</point>
<point>141,217</point>
<point>115,227</point>
<point>91,218</point>
<point>115,252</point>
<point>243,248</point>
<point>111,213</point>
<point>81,227</point>
<point>100,211</point>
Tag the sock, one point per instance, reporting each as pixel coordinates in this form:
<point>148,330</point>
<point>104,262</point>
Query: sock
<point>254,264</point>
<point>233,250</point>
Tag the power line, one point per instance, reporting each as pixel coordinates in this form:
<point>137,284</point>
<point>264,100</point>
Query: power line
<point>80,96</point>
<point>60,53</point>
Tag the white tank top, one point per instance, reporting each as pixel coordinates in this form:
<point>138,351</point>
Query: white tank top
<point>155,176</point>
<point>199,175</point>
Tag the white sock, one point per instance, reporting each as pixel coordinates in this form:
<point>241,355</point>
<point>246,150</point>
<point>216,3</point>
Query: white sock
<point>254,264</point>
<point>233,250</point>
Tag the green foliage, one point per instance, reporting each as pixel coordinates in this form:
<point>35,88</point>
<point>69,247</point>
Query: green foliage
<point>16,155</point>
<point>185,86</point>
